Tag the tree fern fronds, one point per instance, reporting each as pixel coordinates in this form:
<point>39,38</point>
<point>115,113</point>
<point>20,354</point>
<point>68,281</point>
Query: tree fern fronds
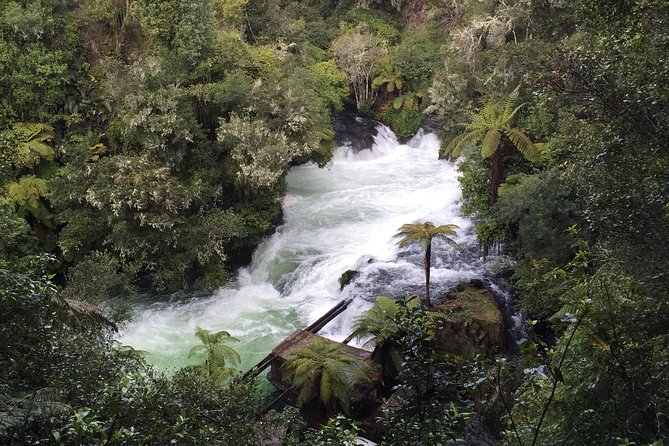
<point>325,370</point>
<point>217,355</point>
<point>127,351</point>
<point>490,143</point>
<point>42,403</point>
<point>523,144</point>
<point>508,117</point>
<point>454,148</point>
<point>30,143</point>
<point>510,101</point>
<point>378,321</point>
<point>88,310</point>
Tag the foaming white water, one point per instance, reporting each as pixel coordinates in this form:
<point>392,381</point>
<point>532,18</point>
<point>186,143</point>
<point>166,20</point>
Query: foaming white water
<point>333,218</point>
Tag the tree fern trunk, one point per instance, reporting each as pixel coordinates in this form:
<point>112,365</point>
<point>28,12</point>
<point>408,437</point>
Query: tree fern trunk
<point>426,265</point>
<point>497,172</point>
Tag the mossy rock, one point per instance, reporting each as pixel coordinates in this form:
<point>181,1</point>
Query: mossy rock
<point>347,277</point>
<point>471,321</point>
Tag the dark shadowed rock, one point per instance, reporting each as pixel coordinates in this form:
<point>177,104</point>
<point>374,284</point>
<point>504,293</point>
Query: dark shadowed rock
<point>354,131</point>
<point>347,277</point>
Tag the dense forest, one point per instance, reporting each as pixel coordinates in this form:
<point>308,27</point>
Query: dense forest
<point>144,147</point>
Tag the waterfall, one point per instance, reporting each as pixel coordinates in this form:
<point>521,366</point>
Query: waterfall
<point>337,218</point>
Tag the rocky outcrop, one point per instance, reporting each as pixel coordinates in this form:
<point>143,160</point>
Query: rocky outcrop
<point>347,277</point>
<point>354,131</point>
<point>471,321</point>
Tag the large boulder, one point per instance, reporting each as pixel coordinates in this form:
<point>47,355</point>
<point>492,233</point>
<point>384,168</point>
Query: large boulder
<point>354,131</point>
<point>471,321</point>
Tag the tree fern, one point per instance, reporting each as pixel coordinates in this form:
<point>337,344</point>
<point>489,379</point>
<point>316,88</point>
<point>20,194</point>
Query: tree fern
<point>423,233</point>
<point>27,194</point>
<point>487,128</point>
<point>216,354</point>
<point>378,321</point>
<point>324,370</point>
<point>18,410</point>
<point>30,143</point>
<point>88,310</point>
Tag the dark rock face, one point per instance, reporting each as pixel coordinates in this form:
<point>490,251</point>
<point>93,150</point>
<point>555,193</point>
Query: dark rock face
<point>472,321</point>
<point>347,277</point>
<point>354,131</point>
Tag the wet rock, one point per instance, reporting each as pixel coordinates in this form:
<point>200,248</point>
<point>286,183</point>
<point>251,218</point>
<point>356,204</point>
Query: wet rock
<point>347,277</point>
<point>504,267</point>
<point>472,321</point>
<point>354,131</point>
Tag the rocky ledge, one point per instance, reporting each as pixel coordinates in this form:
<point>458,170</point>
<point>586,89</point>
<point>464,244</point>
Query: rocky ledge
<point>472,321</point>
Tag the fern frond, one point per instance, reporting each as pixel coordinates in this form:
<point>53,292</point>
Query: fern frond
<point>446,229</point>
<point>127,351</point>
<point>326,386</point>
<point>457,144</point>
<point>510,100</point>
<point>42,403</point>
<point>490,143</point>
<point>509,117</point>
<point>88,310</point>
<point>488,115</point>
<point>523,143</point>
<point>378,321</point>
<point>196,350</point>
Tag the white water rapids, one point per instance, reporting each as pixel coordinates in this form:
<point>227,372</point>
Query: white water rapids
<point>335,219</point>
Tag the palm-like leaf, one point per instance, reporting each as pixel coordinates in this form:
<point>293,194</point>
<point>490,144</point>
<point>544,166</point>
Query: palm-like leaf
<point>324,370</point>
<point>88,310</point>
<point>493,120</point>
<point>524,145</point>
<point>217,355</point>
<point>455,147</point>
<point>378,321</point>
<point>490,143</point>
<point>423,233</point>
<point>30,140</point>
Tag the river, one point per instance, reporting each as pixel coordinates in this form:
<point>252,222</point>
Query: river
<point>337,218</point>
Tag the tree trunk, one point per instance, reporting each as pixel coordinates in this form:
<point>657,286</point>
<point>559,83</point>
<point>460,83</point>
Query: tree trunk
<point>497,172</point>
<point>426,265</point>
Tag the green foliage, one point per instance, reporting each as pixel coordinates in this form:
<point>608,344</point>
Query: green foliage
<point>537,210</point>
<point>180,26</point>
<point>379,23</point>
<point>339,430</point>
<point>99,279</point>
<point>488,127</point>
<point>423,233</point>
<point>29,143</point>
<point>262,155</point>
<point>41,61</point>
<point>378,321</point>
<point>612,381</point>
<point>388,76</point>
<point>424,412</point>
<point>490,233</point>
<point>357,53</point>
<point>475,184</point>
<point>331,83</point>
<point>28,195</point>
<point>216,355</point>
<point>406,118</point>
<point>325,370</point>
<point>17,242</point>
